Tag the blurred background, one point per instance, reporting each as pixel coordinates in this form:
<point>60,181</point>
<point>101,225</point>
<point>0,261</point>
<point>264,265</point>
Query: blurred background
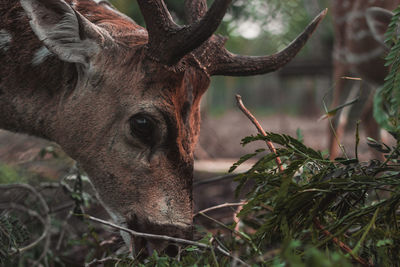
<point>289,101</point>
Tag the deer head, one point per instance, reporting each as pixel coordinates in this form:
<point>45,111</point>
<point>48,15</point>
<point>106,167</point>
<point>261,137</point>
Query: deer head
<point>126,104</point>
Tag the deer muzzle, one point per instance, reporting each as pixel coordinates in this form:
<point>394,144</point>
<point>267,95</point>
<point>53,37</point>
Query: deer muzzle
<point>146,246</point>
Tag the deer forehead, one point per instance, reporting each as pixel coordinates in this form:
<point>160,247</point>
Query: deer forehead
<point>5,40</point>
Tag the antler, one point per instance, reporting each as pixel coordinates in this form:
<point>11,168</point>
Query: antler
<point>219,61</point>
<point>195,10</point>
<point>169,42</point>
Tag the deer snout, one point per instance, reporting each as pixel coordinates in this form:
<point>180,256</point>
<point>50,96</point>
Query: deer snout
<point>148,245</point>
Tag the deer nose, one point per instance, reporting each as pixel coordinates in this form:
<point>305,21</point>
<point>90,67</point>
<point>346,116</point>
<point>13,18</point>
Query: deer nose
<point>148,245</point>
<point>169,247</point>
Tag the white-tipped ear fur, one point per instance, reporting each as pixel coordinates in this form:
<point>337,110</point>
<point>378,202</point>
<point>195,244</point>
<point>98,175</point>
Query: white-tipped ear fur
<point>378,20</point>
<point>63,30</point>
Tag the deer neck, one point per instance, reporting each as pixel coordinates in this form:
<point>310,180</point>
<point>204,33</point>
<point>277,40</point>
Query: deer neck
<point>29,105</point>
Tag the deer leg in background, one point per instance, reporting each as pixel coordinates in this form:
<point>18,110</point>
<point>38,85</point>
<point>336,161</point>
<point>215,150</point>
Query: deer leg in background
<point>335,133</point>
<point>371,127</point>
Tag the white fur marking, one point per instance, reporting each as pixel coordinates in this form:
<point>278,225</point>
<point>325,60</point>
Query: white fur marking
<point>40,56</point>
<point>5,39</point>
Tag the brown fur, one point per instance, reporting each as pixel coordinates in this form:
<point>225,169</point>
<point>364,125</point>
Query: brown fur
<point>89,121</point>
<point>85,101</point>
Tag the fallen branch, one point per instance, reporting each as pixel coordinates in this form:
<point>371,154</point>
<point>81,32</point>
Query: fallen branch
<point>340,244</point>
<point>162,237</point>
<point>260,129</point>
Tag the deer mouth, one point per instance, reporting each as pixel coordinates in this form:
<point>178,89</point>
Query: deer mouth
<point>143,247</point>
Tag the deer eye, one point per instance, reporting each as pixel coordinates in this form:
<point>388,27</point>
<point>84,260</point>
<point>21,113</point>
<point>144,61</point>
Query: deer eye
<point>142,127</point>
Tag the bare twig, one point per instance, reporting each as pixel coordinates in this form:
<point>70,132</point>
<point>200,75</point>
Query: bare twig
<point>213,253</point>
<point>220,207</point>
<point>260,129</point>
<point>262,132</point>
<point>225,226</point>
<point>236,219</point>
<point>63,229</point>
<point>46,247</point>
<point>162,237</point>
<point>144,235</point>
<point>342,245</point>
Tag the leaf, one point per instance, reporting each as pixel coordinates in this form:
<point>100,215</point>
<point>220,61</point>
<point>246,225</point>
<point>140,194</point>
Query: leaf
<point>241,160</point>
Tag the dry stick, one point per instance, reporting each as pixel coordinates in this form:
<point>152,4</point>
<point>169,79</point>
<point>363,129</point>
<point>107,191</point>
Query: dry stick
<point>162,237</point>
<point>270,145</point>
<point>237,233</point>
<point>342,245</point>
<point>46,222</point>
<point>236,219</point>
<point>220,207</point>
<point>278,161</point>
<point>259,128</point>
<point>63,229</point>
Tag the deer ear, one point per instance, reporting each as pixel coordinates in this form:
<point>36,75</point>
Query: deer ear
<point>378,20</point>
<point>63,30</point>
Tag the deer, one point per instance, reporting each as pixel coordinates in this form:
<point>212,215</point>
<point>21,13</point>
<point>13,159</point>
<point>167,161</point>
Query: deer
<point>359,50</point>
<point>120,99</point>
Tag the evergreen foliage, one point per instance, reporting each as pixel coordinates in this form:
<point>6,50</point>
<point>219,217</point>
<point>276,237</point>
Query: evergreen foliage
<point>387,98</point>
<point>317,212</point>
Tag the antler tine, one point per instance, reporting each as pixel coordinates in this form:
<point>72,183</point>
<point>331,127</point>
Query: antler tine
<point>199,31</point>
<point>228,64</point>
<point>157,18</point>
<point>195,10</point>
<point>168,42</point>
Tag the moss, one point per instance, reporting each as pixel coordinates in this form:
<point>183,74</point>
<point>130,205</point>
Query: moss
<point>9,175</point>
